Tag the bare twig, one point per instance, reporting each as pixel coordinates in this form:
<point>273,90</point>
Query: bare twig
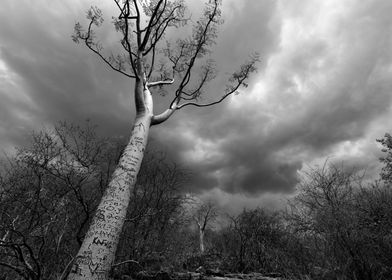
<point>125,262</point>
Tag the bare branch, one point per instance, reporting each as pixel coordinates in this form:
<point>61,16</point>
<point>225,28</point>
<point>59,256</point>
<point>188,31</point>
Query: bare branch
<point>138,32</point>
<point>154,17</point>
<point>160,83</point>
<point>95,16</point>
<point>161,28</point>
<point>209,104</point>
<point>127,45</point>
<point>157,119</point>
<point>207,74</point>
<point>65,270</point>
<point>204,34</point>
<point>239,77</point>
<point>152,63</point>
<point>125,262</point>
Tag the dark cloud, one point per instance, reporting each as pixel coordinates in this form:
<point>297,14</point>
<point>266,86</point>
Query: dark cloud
<point>317,93</point>
<point>323,90</point>
<point>231,152</point>
<point>57,79</point>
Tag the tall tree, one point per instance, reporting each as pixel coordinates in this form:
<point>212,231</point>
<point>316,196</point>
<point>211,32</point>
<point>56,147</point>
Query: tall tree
<point>151,62</point>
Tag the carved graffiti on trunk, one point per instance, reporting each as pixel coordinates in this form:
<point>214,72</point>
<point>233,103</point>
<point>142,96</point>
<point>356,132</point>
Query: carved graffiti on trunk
<point>103,235</point>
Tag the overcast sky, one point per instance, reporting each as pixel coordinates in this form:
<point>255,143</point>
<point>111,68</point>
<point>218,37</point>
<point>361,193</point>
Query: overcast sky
<point>323,91</point>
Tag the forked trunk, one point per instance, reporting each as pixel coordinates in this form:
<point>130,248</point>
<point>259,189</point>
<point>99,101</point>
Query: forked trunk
<point>97,253</point>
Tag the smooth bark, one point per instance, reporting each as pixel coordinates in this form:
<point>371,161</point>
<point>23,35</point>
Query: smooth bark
<point>201,235</point>
<point>97,252</point>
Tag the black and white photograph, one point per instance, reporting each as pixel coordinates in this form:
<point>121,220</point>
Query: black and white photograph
<point>196,139</point>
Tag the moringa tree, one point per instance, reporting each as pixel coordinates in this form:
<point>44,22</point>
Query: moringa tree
<point>151,62</point>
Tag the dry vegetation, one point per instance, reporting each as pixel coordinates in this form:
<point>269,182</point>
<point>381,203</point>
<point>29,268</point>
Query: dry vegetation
<point>336,227</point>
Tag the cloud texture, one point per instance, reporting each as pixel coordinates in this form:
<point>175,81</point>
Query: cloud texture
<point>323,90</point>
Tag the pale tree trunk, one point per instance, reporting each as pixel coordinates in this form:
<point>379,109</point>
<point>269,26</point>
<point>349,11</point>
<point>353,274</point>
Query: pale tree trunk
<point>201,236</point>
<point>97,252</point>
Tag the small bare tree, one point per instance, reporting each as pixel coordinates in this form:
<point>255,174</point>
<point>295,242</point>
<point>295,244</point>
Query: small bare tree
<point>151,62</point>
<point>205,214</point>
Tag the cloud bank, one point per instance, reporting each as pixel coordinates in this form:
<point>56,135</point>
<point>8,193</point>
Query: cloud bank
<point>323,90</point>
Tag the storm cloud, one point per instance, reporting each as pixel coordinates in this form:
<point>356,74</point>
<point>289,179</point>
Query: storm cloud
<point>323,90</point>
